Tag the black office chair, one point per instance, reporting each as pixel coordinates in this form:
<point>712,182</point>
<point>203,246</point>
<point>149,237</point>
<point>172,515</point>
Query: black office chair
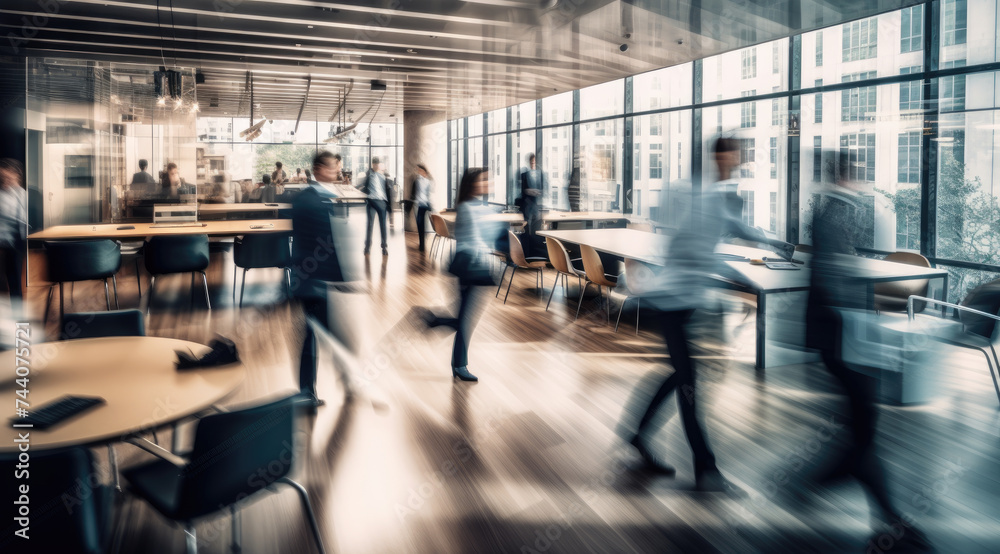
<point>177,254</point>
<point>67,513</point>
<point>88,325</point>
<point>260,251</point>
<point>214,475</point>
<point>82,260</point>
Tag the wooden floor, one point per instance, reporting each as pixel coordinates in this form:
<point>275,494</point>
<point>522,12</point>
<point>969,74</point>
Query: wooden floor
<point>528,459</point>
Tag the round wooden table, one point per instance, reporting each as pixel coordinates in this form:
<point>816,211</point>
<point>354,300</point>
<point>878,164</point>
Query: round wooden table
<point>136,377</point>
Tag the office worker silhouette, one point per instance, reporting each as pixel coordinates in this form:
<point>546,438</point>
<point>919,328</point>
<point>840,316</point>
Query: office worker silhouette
<point>376,186</point>
<point>676,290</point>
<point>533,190</point>
<point>835,286</point>
<point>474,238</point>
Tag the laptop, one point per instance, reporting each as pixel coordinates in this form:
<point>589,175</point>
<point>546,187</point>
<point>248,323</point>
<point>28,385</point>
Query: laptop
<point>176,215</point>
<point>787,252</point>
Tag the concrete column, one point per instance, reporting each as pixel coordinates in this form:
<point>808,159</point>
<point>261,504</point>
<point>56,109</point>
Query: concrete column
<point>425,142</point>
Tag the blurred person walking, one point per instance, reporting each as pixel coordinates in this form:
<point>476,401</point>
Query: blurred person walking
<point>13,226</point>
<point>533,190</point>
<point>835,286</point>
<point>376,186</point>
<point>676,292</point>
<point>474,237</point>
<point>421,196</point>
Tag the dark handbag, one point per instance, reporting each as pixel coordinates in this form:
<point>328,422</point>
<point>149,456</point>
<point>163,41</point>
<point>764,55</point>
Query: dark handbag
<point>470,270</point>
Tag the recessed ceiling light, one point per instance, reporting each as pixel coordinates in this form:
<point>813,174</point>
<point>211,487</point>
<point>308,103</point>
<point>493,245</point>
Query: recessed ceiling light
<point>411,51</point>
<point>309,26</point>
<point>298,46</point>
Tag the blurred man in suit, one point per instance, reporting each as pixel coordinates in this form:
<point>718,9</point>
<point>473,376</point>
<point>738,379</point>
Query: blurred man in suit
<point>376,186</point>
<point>533,190</point>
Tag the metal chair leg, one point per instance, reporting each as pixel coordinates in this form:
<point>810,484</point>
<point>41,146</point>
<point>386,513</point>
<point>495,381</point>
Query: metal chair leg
<point>579,303</point>
<point>236,528</point>
<point>288,282</point>
<point>309,511</point>
<point>244,287</point>
<point>234,281</point>
<point>48,304</point>
<point>204,281</point>
<point>138,281</point>
<point>619,320</point>
<point>107,294</point>
<point>500,284</point>
<point>114,281</point>
<point>152,287</point>
<point>638,300</point>
<point>555,283</point>
<point>192,291</point>
<point>509,283</point>
<point>190,539</point>
<point>997,368</point>
<point>62,301</point>
<point>113,462</point>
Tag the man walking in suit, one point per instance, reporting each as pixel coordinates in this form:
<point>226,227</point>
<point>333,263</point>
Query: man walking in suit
<point>376,186</point>
<point>533,190</point>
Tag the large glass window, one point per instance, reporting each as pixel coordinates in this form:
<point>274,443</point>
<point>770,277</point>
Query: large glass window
<point>662,163</point>
<point>664,88</point>
<point>524,115</point>
<point>858,104</point>
<point>953,22</point>
<point>911,29</point>
<point>556,161</point>
<point>600,164</point>
<point>860,39</point>
<point>557,109</point>
<point>719,73</point>
<point>602,100</point>
<point>498,120</point>
<point>497,164</point>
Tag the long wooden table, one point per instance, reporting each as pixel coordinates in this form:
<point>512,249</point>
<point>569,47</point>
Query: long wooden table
<point>251,207</point>
<point>225,228</point>
<point>551,218</point>
<point>781,294</point>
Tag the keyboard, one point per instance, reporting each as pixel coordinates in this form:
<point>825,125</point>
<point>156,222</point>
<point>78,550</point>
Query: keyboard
<point>781,265</point>
<point>59,410</point>
<point>167,225</point>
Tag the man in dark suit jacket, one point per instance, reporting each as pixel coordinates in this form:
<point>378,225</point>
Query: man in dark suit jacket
<point>533,190</point>
<point>142,181</point>
<point>379,192</point>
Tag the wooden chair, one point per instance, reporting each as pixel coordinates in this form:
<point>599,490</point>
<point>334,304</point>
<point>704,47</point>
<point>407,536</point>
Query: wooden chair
<point>892,297</point>
<point>594,269</point>
<point>440,232</point>
<point>560,260</point>
<point>518,261</point>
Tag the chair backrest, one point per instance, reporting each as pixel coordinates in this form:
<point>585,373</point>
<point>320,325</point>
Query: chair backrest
<point>516,250</point>
<point>558,255</point>
<point>904,289</point>
<point>69,510</point>
<point>82,260</point>
<point>176,254</point>
<point>263,250</point>
<point>237,454</point>
<point>439,225</point>
<point>593,266</point>
<point>985,298</point>
<point>638,277</point>
<point>88,325</point>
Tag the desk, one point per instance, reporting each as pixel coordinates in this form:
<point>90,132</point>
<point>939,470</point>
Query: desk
<point>553,219</point>
<point>143,230</point>
<point>135,376</point>
<point>781,295</point>
<point>254,207</point>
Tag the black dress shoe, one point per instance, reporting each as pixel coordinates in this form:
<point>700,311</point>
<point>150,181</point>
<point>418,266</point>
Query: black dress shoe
<point>385,251</point>
<point>713,481</point>
<point>650,461</point>
<point>367,251</point>
<point>463,374</point>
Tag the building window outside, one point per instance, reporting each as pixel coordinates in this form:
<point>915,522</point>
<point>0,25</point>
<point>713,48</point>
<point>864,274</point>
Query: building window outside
<point>860,149</point>
<point>953,21</point>
<point>748,148</point>
<point>774,212</point>
<point>774,157</point>
<point>909,157</point>
<point>656,161</point>
<point>747,196</point>
<point>818,104</point>
<point>817,159</point>
<point>858,104</point>
<point>776,58</point>
<point>819,49</point>
<point>910,93</point>
<point>952,89</point>
<point>777,109</point>
<point>748,63</point>
<point>748,111</point>
<point>655,125</point>
<point>911,29</point>
<point>860,39</point>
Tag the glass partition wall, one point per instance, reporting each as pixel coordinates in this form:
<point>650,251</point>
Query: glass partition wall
<point>902,96</point>
<point>90,124</point>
